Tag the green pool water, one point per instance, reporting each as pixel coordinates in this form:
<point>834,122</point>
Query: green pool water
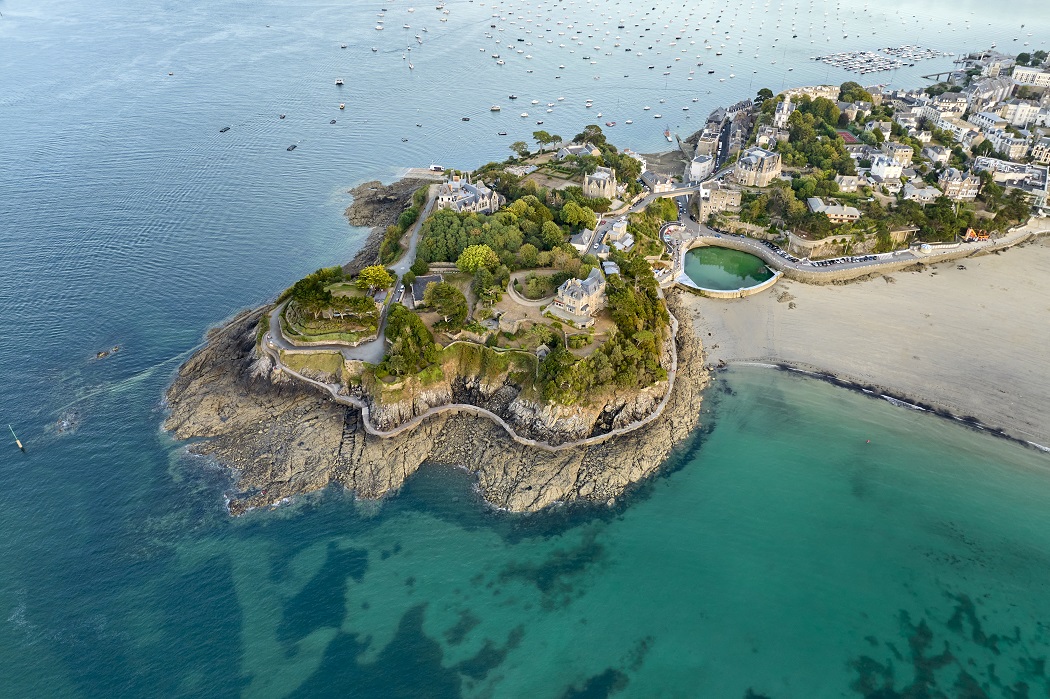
<point>723,269</point>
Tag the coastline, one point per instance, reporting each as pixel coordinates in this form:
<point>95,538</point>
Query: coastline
<point>376,206</point>
<point>285,438</point>
<point>968,344</point>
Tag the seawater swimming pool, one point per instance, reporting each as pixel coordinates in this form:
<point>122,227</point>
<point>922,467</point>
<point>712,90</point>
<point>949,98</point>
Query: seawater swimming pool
<point>722,269</point>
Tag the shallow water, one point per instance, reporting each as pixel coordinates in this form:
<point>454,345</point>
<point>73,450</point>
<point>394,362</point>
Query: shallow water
<point>780,553</point>
<point>724,269</point>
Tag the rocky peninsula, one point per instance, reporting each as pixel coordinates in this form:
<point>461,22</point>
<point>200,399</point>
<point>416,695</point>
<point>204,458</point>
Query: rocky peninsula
<point>285,438</point>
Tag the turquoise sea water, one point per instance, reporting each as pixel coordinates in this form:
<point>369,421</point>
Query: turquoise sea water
<point>722,268</point>
<point>780,553</point>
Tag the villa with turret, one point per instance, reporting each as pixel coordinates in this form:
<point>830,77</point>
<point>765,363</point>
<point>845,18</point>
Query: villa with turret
<point>461,196</point>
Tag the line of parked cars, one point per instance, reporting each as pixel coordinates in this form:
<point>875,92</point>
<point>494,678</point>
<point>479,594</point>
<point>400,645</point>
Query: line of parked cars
<point>787,256</point>
<point>843,260</point>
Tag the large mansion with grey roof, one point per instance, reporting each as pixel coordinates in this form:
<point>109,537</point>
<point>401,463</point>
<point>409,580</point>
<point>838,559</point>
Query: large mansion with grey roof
<point>459,195</point>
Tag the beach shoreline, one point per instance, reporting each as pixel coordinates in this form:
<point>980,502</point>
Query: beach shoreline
<point>965,340</point>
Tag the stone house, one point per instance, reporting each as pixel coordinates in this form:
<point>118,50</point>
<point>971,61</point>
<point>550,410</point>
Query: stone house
<point>600,184</point>
<point>459,195</point>
<point>938,155</point>
<point>958,185</point>
<point>577,149</point>
<point>837,213</point>
<point>716,199</point>
<point>903,154</point>
<point>757,167</point>
<point>578,300</point>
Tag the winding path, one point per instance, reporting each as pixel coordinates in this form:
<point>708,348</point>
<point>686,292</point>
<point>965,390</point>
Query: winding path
<point>521,300</point>
<point>270,348</point>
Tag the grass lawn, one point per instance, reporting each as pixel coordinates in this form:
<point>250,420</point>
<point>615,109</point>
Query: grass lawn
<point>330,363</point>
<point>348,289</point>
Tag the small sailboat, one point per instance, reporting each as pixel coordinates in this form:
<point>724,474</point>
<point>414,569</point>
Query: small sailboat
<point>17,441</point>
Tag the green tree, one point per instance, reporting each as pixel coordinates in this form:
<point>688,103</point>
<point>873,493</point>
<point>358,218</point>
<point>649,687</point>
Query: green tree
<point>374,277</point>
<point>551,235</point>
<point>542,138</point>
<point>475,257</point>
<point>578,216</point>
<point>411,345</point>
<point>521,148</point>
<point>449,302</point>
<point>764,94</point>
<point>1024,59</point>
<point>592,133</point>
<point>311,292</point>
<point>528,254</point>
<point>851,91</point>
<point>420,267</point>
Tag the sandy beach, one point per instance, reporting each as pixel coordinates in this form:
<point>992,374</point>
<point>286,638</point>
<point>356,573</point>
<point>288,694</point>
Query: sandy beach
<point>973,341</point>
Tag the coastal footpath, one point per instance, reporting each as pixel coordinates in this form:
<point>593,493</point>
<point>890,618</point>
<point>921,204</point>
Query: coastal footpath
<point>284,437</point>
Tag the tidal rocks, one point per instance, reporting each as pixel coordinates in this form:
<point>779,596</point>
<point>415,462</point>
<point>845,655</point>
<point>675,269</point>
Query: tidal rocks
<point>284,438</point>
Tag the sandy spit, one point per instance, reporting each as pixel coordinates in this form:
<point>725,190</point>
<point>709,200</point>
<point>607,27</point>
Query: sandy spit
<point>972,341</point>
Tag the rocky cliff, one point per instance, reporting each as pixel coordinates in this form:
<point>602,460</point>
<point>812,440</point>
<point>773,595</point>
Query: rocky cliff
<point>377,206</point>
<point>284,438</point>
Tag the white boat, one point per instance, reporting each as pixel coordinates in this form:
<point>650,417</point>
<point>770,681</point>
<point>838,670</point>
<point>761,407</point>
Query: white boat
<point>646,108</point>
<point>494,108</point>
<point>657,116</point>
<point>524,114</point>
<point>379,27</point>
<point>629,121</point>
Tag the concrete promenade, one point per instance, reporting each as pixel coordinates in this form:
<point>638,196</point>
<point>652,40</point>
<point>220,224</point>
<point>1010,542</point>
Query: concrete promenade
<point>694,235</point>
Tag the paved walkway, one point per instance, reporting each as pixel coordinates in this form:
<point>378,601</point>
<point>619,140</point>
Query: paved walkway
<point>521,300</point>
<point>270,346</point>
<point>373,350</point>
<point>693,234</point>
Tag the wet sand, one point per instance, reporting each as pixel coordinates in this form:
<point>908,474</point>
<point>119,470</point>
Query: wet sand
<point>974,342</point>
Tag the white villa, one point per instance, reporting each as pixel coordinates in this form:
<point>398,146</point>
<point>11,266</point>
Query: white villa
<point>577,149</point>
<point>578,300</point>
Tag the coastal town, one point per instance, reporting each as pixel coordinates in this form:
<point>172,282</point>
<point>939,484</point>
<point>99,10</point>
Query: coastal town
<point>556,296</point>
<point>546,272</point>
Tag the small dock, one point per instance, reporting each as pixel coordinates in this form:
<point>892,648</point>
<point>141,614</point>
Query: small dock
<point>422,173</point>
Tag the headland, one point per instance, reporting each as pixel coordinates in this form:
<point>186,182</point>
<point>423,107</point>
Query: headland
<point>525,320</point>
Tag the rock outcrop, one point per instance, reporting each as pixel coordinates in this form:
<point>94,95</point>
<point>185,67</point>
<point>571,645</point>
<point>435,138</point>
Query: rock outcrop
<point>377,206</point>
<point>285,438</point>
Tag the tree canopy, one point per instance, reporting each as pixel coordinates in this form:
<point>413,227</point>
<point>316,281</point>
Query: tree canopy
<point>412,346</point>
<point>311,293</point>
<point>474,257</point>
<point>374,277</point>
<point>851,91</point>
<point>449,302</point>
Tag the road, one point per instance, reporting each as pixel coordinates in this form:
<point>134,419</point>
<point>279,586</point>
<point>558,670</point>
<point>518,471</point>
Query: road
<point>373,351</point>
